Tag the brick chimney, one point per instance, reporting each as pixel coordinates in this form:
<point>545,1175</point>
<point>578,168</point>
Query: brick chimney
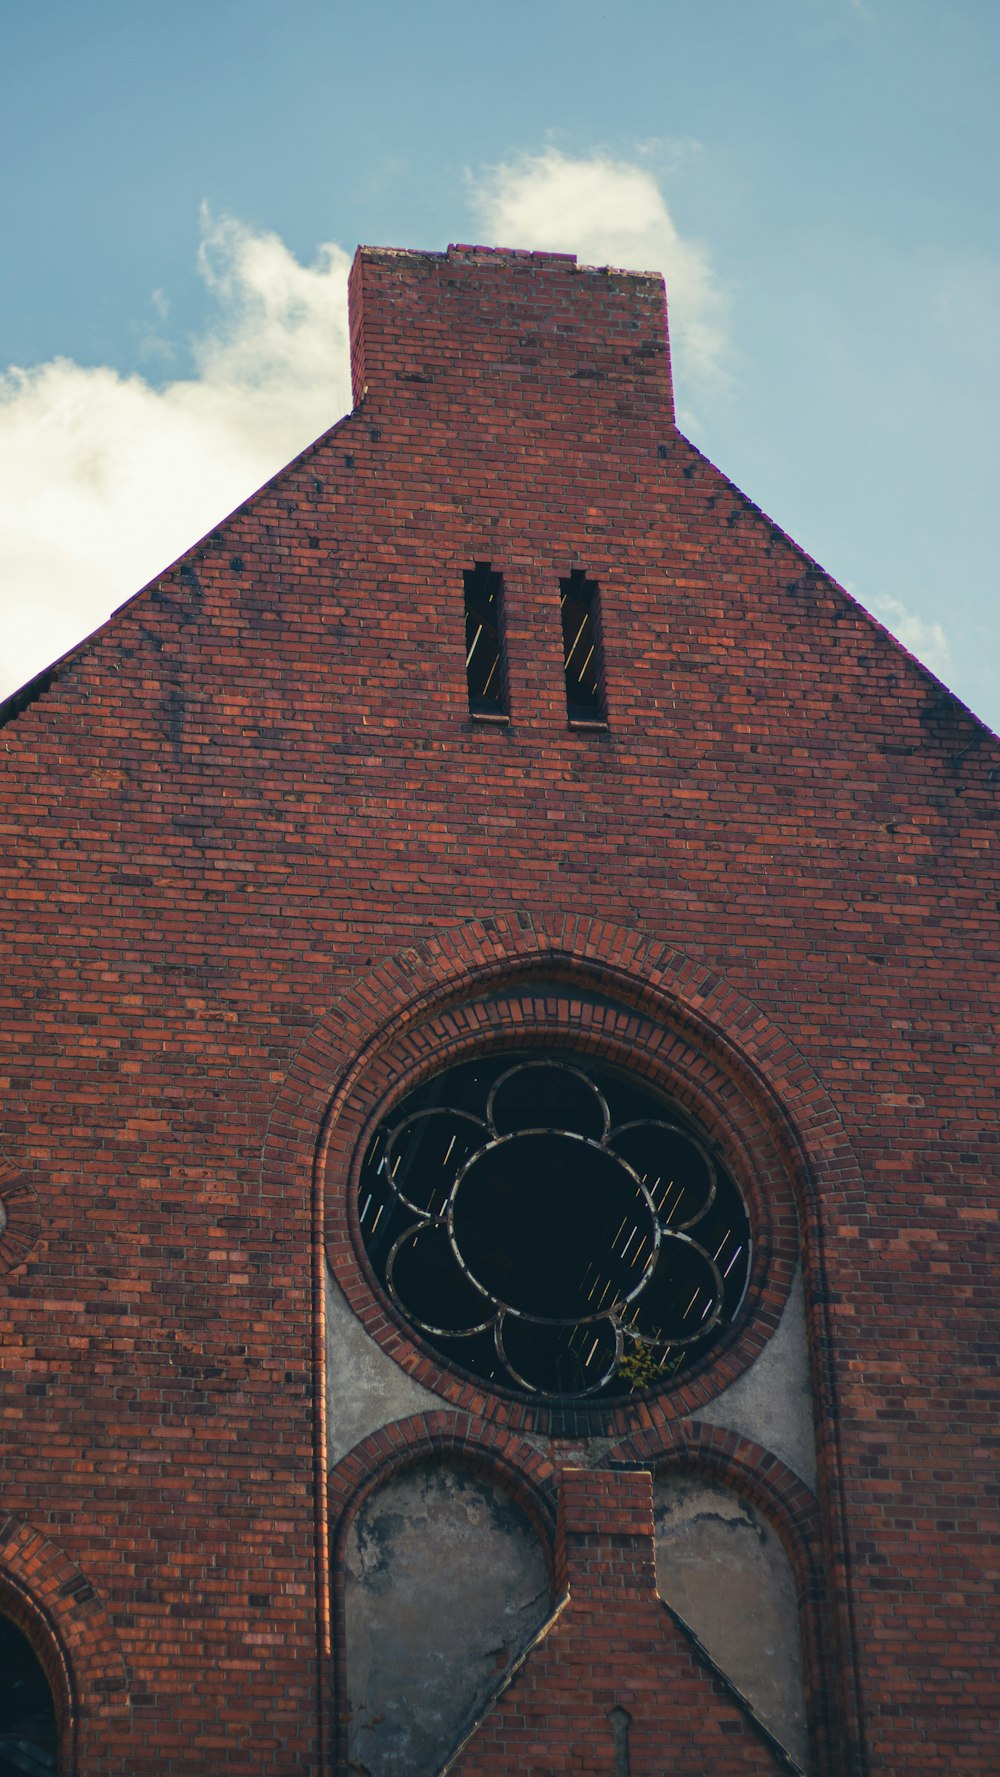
<point>511,336</point>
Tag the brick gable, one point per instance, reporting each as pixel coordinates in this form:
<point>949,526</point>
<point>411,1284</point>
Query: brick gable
<point>260,783</point>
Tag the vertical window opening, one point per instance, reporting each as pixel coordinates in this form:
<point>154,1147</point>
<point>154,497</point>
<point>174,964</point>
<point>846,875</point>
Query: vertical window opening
<point>485,666</point>
<point>582,653</point>
<point>29,1736</point>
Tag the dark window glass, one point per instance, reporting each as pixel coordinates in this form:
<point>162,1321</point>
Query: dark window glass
<point>28,1733</point>
<point>582,655</point>
<point>484,651</point>
<point>554,1227</point>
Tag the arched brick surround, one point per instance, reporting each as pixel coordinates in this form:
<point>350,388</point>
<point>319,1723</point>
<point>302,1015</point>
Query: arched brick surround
<point>56,1607</point>
<point>529,1477</point>
<point>682,1446</point>
<point>18,1605</point>
<point>739,1463</point>
<point>528,1016</point>
<point>501,979</point>
<point>695,1447</point>
<point>481,1448</point>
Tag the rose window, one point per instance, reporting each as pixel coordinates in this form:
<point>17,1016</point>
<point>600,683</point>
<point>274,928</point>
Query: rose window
<point>553,1227</point>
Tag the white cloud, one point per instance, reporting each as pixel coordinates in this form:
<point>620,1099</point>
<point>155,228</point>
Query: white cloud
<point>607,212</point>
<point>104,479</point>
<point>927,641</point>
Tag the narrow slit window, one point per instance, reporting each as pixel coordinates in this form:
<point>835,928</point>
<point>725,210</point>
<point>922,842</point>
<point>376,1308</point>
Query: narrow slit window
<point>485,666</point>
<point>582,653</point>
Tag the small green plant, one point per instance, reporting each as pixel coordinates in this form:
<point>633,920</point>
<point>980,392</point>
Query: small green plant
<point>641,1367</point>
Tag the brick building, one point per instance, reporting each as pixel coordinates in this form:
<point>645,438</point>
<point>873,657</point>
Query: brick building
<point>498,1119</point>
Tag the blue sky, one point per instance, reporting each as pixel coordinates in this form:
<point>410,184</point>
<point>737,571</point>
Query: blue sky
<point>816,178</point>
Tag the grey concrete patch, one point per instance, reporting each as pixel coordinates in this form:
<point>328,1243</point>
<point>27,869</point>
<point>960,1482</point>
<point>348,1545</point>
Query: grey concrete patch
<point>364,1389</point>
<point>721,1567</point>
<point>445,1582</point>
<point>772,1401</point>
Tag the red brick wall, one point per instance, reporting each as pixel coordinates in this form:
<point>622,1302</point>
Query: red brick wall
<point>261,780</point>
<point>613,1647</point>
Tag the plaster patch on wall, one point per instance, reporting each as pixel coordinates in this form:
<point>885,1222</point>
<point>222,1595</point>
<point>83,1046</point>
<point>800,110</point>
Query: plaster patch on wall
<point>445,1584</point>
<point>772,1401</point>
<point>365,1389</point>
<point>722,1567</point>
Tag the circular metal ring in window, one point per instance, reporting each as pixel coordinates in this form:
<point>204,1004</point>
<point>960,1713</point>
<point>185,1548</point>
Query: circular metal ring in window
<point>553,1228</point>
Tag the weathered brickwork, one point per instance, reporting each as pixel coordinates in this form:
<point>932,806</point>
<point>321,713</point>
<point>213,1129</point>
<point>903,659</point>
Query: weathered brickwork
<point>612,1683</point>
<point>55,1605</point>
<point>261,868</point>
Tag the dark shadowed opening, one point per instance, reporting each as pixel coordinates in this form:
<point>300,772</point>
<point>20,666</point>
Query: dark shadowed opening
<point>582,653</point>
<point>553,1226</point>
<point>484,651</point>
<point>29,1734</point>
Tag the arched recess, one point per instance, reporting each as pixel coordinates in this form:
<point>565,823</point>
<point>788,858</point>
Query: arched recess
<point>451,978</point>
<point>443,1570</point>
<point>20,1612</point>
<point>723,1459</point>
<point>45,1595</point>
<point>575,1021</point>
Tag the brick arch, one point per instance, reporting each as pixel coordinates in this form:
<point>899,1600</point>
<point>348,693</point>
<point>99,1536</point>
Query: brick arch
<point>450,1439</point>
<point>45,1594</point>
<point>486,1450</point>
<point>22,1217</point>
<point>458,965</point>
<point>694,1447</point>
<point>397,1001</point>
<point>592,1025</point>
<point>17,1605</point>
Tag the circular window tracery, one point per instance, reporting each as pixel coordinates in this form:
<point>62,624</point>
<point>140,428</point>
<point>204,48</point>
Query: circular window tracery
<point>553,1227</point>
